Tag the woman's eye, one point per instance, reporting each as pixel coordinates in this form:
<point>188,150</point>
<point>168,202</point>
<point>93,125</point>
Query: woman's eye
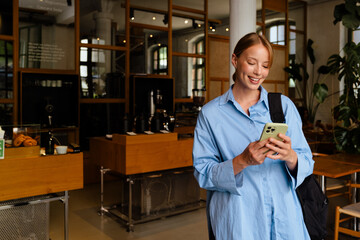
<point>265,66</point>
<point>251,63</point>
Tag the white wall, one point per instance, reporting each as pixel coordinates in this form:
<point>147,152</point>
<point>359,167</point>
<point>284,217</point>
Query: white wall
<point>326,37</point>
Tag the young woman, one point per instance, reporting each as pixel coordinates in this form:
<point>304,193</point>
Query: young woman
<point>251,184</point>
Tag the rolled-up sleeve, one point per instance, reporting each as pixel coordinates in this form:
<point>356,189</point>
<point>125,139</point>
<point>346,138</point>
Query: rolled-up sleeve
<point>211,171</point>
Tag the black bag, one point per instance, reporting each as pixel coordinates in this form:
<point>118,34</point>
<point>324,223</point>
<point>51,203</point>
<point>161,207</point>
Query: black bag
<point>314,202</point>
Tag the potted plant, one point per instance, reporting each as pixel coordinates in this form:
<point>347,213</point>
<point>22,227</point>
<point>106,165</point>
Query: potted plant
<point>315,88</point>
<point>347,67</point>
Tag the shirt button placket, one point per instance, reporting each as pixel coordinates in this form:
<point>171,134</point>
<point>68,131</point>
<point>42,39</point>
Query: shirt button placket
<point>252,130</point>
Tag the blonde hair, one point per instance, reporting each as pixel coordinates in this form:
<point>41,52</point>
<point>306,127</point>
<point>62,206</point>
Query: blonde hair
<point>250,40</point>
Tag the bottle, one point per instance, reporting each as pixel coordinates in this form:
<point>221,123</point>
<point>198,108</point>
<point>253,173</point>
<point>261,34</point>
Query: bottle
<point>156,123</point>
<point>141,124</point>
<point>49,148</point>
<point>125,124</point>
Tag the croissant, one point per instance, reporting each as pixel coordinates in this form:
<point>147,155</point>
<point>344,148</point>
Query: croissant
<point>30,142</point>
<point>19,140</point>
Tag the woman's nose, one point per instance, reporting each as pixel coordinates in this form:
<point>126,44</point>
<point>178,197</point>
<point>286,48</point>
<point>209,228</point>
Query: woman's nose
<point>257,70</point>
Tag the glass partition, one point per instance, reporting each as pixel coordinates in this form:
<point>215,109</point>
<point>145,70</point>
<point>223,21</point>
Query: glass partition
<point>148,51</point>
<point>102,73</point>
<point>103,22</point>
<point>6,113</point>
<point>197,5</point>
<point>98,120</point>
<point>150,17</point>
<point>6,69</point>
<point>6,18</point>
<point>275,27</point>
<point>189,74</point>
<point>46,34</point>
<point>296,15</point>
<point>185,38</point>
<point>159,5</point>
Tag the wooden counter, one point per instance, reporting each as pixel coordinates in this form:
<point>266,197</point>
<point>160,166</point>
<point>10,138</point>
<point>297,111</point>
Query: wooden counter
<point>32,176</point>
<point>141,153</point>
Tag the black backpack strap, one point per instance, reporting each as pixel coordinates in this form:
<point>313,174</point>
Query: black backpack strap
<point>275,107</point>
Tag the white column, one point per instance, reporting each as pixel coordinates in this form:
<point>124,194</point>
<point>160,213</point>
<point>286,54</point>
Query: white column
<point>242,21</point>
<point>103,32</point>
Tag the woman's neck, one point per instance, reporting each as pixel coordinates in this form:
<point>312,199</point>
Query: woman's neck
<point>245,97</point>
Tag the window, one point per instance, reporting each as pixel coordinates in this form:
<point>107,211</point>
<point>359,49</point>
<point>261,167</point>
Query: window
<point>276,33</point>
<point>160,60</point>
<point>91,65</point>
<point>101,72</point>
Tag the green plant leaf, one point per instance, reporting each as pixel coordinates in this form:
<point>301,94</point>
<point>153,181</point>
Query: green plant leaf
<point>344,115</point>
<point>350,6</point>
<point>294,72</point>
<point>320,91</point>
<point>358,11</point>
<point>310,51</point>
<point>324,69</point>
<point>351,21</point>
<point>340,137</point>
<point>334,63</point>
<point>339,12</point>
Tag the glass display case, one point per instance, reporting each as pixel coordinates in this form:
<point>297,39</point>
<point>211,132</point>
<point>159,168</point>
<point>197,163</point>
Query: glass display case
<point>22,135</point>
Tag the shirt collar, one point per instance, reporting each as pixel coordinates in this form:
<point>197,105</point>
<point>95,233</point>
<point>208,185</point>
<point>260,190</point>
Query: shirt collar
<point>229,96</point>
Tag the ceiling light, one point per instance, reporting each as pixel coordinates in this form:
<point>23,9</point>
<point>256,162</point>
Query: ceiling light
<point>151,35</point>
<point>124,41</point>
<point>186,21</point>
<point>227,29</point>
<point>154,18</point>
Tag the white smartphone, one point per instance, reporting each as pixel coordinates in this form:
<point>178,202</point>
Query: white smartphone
<point>273,130</point>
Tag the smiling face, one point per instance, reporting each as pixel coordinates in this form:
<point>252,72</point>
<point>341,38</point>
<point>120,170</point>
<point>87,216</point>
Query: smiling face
<point>252,66</point>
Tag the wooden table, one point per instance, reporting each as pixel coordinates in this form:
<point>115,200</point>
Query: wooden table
<point>335,166</point>
<point>353,159</point>
<point>338,165</point>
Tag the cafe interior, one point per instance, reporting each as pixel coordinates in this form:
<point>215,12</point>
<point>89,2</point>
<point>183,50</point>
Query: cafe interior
<point>99,101</point>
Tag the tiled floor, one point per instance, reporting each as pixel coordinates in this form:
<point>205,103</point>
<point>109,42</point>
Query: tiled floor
<point>85,223</point>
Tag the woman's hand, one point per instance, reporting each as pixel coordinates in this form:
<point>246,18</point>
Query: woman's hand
<point>283,150</point>
<point>254,154</point>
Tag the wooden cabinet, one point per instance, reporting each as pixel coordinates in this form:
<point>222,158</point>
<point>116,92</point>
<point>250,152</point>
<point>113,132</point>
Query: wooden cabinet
<point>139,154</point>
<point>31,176</point>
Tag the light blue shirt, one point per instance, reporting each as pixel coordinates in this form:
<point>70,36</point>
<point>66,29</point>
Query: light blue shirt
<point>260,202</point>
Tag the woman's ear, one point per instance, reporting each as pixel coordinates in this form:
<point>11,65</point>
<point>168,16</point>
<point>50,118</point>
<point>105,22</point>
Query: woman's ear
<point>234,60</point>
